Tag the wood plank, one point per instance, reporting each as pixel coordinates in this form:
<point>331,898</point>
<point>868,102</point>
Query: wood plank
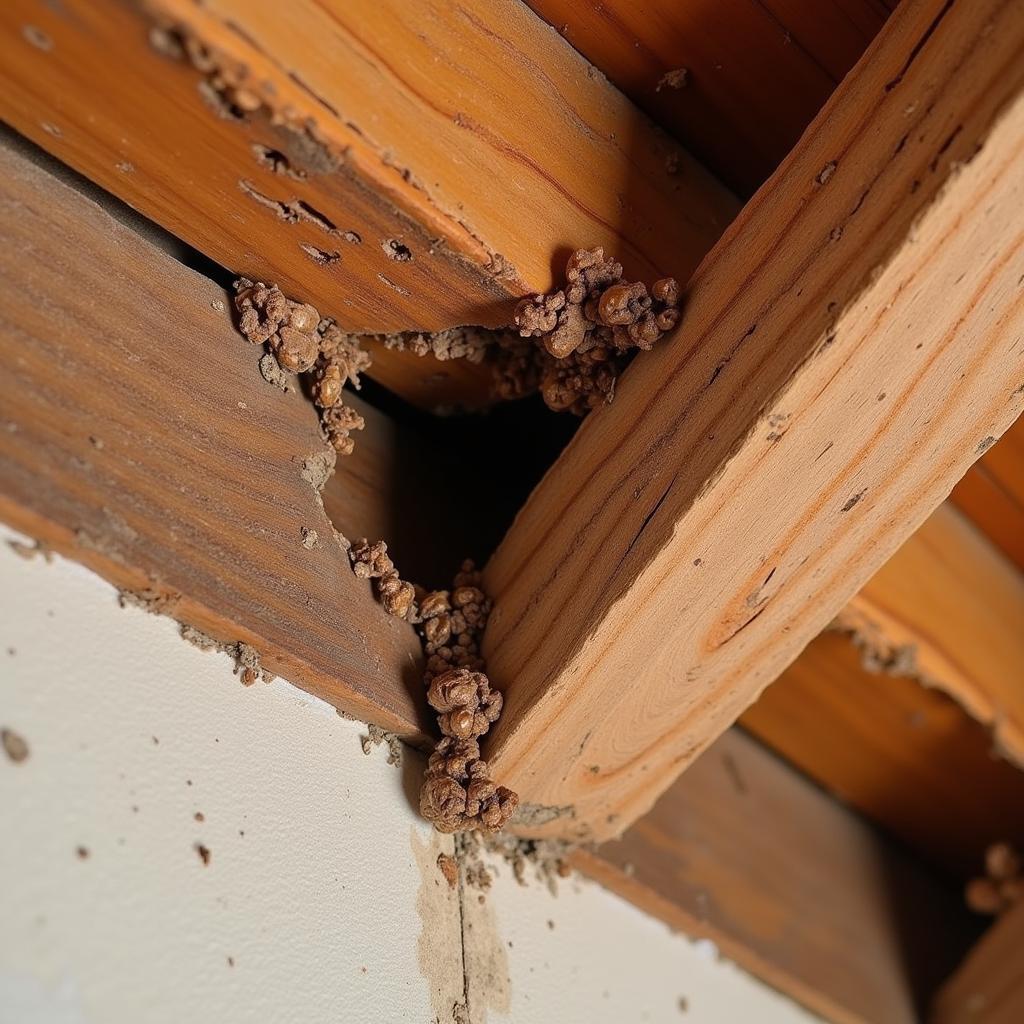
<point>992,493</point>
<point>952,598</point>
<point>878,722</point>
<point>395,116</point>
<point>989,987</point>
<point>757,71</point>
<point>848,349</point>
<point>790,885</point>
<point>906,756</point>
<point>140,439</point>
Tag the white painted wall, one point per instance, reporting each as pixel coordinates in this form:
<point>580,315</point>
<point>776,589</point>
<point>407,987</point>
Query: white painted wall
<point>321,901</point>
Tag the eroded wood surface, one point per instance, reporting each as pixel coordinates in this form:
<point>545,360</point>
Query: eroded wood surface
<point>140,439</point>
<point>401,165</point>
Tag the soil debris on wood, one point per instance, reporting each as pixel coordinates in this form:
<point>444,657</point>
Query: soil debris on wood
<point>377,736</point>
<point>878,654</point>
<point>469,343</point>
<point>300,341</point>
<point>1002,885</point>
<point>457,792</point>
<point>676,79</point>
<point>247,660</point>
<point>230,91</point>
<point>272,373</point>
<point>31,549</point>
<point>150,599</point>
<point>574,342</point>
<point>15,746</point>
<point>318,467</point>
<point>310,538</point>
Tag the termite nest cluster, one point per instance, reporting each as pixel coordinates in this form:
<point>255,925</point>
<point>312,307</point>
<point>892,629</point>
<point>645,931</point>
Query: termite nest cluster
<point>571,346</point>
<point>303,343</point>
<point>469,343</point>
<point>575,341</point>
<point>458,793</point>
<point>1002,885</point>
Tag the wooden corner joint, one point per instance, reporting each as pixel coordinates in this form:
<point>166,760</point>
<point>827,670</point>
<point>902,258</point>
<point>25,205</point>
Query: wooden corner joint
<point>808,415</point>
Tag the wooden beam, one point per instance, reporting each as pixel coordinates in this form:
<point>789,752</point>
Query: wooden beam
<point>792,886</point>
<point>140,439</point>
<point>401,164</point>
<point>877,721</point>
<point>989,987</point>
<point>848,349</point>
<point>992,493</point>
<point>754,74</point>
<point>906,756</point>
<point>949,597</point>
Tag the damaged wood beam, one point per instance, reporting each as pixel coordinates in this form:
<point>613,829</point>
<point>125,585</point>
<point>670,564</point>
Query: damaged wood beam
<point>949,600</point>
<point>792,886</point>
<point>847,350</point>
<point>139,438</point>
<point>988,988</point>
<point>401,164</point>
<point>874,718</point>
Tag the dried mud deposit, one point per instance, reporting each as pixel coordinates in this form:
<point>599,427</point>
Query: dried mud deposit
<point>573,343</point>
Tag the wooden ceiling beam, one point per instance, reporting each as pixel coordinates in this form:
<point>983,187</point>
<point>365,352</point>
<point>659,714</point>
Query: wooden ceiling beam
<point>992,494</point>
<point>402,164</point>
<point>951,599</point>
<point>736,81</point>
<point>988,988</point>
<point>878,717</point>
<point>139,438</point>
<point>848,349</point>
<point>791,885</point>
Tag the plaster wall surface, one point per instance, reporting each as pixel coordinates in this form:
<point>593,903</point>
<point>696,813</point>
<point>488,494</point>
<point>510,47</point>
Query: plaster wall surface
<point>179,847</point>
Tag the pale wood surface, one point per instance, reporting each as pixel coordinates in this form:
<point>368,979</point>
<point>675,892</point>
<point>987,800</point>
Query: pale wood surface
<point>988,988</point>
<point>140,439</point>
<point>472,134</point>
<point>790,885</point>
<point>848,349</point>
<point>756,72</point>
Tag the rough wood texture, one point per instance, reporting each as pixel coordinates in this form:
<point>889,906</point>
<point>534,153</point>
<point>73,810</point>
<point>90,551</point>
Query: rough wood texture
<point>139,438</point>
<point>790,885</point>
<point>989,987</point>
<point>472,136</point>
<point>757,71</point>
<point>906,756</point>
<point>950,597</point>
<point>870,719</point>
<point>992,493</point>
<point>848,349</point>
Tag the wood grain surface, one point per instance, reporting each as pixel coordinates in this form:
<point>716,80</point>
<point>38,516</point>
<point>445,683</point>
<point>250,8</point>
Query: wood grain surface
<point>408,165</point>
<point>140,439</point>
<point>848,349</point>
<point>792,886</point>
<point>756,71</point>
